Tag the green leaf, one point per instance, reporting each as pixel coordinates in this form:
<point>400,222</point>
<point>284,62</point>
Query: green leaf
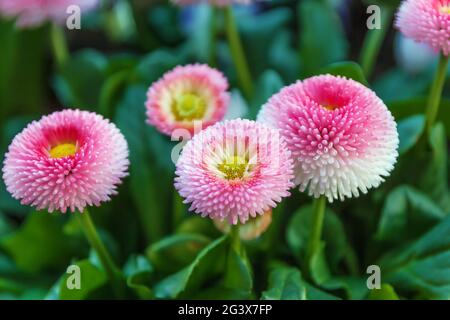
<point>286,283</point>
<point>111,90</point>
<point>407,213</point>
<point>237,280</point>
<point>283,55</point>
<point>268,84</point>
<point>405,108</point>
<point>298,232</point>
<point>348,69</point>
<point>410,130</point>
<point>422,267</point>
<point>257,30</point>
<point>354,287</point>
<point>81,78</point>
<point>198,225</point>
<point>138,272</point>
<point>238,274</point>
<point>40,243</point>
<point>200,37</point>
<point>209,264</point>
<point>434,180</point>
<point>149,185</point>
<point>322,38</point>
<point>155,64</point>
<point>91,280</point>
<point>397,84</point>
<point>386,292</point>
<point>118,21</point>
<point>5,225</point>
<point>22,69</point>
<point>176,252</point>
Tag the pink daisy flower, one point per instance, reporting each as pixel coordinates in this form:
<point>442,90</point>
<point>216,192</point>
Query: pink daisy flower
<point>234,170</point>
<point>32,13</point>
<point>218,3</point>
<point>69,159</point>
<point>426,21</point>
<point>186,95</point>
<point>342,137</point>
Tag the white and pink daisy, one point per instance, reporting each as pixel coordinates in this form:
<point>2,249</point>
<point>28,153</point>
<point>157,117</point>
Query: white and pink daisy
<point>234,170</point>
<point>67,160</point>
<point>342,137</point>
<point>30,13</point>
<point>426,21</point>
<point>185,95</point>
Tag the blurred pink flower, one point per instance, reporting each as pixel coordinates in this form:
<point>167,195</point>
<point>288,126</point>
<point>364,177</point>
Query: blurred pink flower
<point>426,21</point>
<point>69,159</point>
<point>218,3</point>
<point>342,137</point>
<point>252,229</point>
<point>32,13</point>
<point>186,94</point>
<point>234,170</point>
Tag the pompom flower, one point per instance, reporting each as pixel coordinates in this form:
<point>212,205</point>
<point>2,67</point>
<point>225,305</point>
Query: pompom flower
<point>218,3</point>
<point>426,21</point>
<point>342,137</point>
<point>69,159</point>
<point>32,13</point>
<point>234,170</point>
<point>185,95</point>
<point>251,230</point>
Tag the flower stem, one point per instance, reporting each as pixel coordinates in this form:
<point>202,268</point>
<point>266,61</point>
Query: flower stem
<point>436,91</point>
<point>235,238</point>
<point>112,271</point>
<point>316,229</point>
<point>59,45</point>
<point>178,209</point>
<point>237,53</point>
<point>373,41</point>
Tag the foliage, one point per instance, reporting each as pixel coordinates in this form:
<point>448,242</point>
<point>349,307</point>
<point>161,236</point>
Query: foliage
<point>166,252</point>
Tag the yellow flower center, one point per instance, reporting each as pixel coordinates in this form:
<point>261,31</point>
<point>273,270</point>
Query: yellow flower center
<point>444,9</point>
<point>329,107</point>
<point>63,150</point>
<point>189,107</point>
<point>234,168</point>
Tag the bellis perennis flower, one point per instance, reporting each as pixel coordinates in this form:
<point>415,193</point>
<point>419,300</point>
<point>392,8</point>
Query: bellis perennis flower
<point>31,13</point>
<point>187,94</point>
<point>67,160</point>
<point>426,21</point>
<point>234,170</point>
<point>342,137</point>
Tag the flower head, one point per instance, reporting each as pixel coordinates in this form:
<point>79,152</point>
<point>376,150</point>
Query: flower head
<point>185,95</point>
<point>218,3</point>
<point>69,159</point>
<point>251,230</point>
<point>234,170</point>
<point>426,21</point>
<point>32,13</point>
<point>342,137</point>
